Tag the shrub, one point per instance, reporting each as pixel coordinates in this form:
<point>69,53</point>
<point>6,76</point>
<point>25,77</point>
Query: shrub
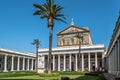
<point>72,73</point>
<point>65,78</point>
<point>101,77</point>
<point>91,74</point>
<point>49,75</point>
<point>18,73</point>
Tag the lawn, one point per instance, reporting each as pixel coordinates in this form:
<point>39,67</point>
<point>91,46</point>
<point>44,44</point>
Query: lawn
<point>72,77</point>
<point>32,75</point>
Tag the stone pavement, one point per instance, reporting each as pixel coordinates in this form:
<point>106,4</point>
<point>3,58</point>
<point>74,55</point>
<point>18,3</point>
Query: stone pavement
<point>109,76</point>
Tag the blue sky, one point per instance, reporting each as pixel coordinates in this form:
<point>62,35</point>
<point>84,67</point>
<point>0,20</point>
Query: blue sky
<point>18,26</point>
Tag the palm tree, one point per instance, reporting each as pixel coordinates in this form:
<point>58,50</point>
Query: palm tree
<point>51,12</point>
<point>80,39</point>
<point>36,42</point>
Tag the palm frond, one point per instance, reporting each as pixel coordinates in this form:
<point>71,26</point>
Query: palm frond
<point>41,7</point>
<point>48,10</point>
<point>38,12</point>
<point>61,15</point>
<point>58,8</point>
<point>59,19</point>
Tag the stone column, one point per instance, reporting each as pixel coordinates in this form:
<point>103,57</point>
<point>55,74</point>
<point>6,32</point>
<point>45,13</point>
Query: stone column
<point>118,55</point>
<point>58,62</point>
<point>89,63</point>
<point>12,64</point>
<point>96,61</point>
<point>5,64</point>
<point>82,62</point>
<point>23,66</point>
<point>115,68</point>
<point>28,64</point>
<point>31,64</point>
<point>18,64</point>
<point>64,62</point>
<point>76,60</point>
<point>53,62</point>
<point>70,62</point>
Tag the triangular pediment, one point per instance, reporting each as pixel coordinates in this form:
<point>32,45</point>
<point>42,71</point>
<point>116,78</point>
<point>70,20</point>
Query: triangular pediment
<point>72,29</point>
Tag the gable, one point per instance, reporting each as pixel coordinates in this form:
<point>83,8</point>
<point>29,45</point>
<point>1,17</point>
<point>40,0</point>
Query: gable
<point>72,29</point>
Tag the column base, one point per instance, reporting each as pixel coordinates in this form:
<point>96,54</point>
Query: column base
<point>11,70</point>
<point>40,70</point>
<point>31,69</point>
<point>5,70</point>
<point>18,70</point>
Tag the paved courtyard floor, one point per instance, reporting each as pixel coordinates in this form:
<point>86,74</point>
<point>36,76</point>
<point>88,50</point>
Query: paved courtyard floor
<point>109,76</point>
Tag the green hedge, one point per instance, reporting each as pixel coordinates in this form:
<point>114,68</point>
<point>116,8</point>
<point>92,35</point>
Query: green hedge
<point>71,73</point>
<point>68,72</point>
<point>101,77</point>
<point>18,73</point>
<point>49,75</point>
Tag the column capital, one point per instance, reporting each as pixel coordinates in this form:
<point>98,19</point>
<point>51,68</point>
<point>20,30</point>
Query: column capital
<point>6,54</point>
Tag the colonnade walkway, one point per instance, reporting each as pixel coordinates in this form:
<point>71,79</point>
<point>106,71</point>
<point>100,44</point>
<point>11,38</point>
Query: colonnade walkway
<point>109,76</point>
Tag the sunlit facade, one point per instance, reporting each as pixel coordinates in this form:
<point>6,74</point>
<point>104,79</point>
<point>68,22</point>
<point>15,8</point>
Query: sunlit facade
<point>72,53</point>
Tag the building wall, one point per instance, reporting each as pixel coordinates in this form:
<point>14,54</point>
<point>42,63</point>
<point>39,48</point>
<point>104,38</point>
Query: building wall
<point>113,52</point>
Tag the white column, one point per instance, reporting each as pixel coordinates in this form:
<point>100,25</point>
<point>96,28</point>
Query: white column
<point>96,61</point>
<point>23,66</point>
<point>12,64</point>
<point>76,60</point>
<point>28,64</point>
<point>89,65</point>
<point>58,62</point>
<point>5,64</point>
<point>18,64</point>
<point>53,62</point>
<point>70,62</point>
<point>82,62</point>
<point>64,62</point>
<point>31,64</point>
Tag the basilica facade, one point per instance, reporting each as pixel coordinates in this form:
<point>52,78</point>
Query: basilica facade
<point>75,51</point>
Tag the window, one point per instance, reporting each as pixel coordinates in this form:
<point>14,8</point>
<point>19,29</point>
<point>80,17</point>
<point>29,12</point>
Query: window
<point>63,42</point>
<point>72,41</point>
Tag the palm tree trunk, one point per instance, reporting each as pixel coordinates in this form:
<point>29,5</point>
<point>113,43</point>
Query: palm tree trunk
<point>79,53</point>
<point>50,50</point>
<point>36,58</point>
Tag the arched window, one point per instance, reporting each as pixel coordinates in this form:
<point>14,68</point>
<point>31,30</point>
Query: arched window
<point>63,42</point>
<point>72,41</point>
